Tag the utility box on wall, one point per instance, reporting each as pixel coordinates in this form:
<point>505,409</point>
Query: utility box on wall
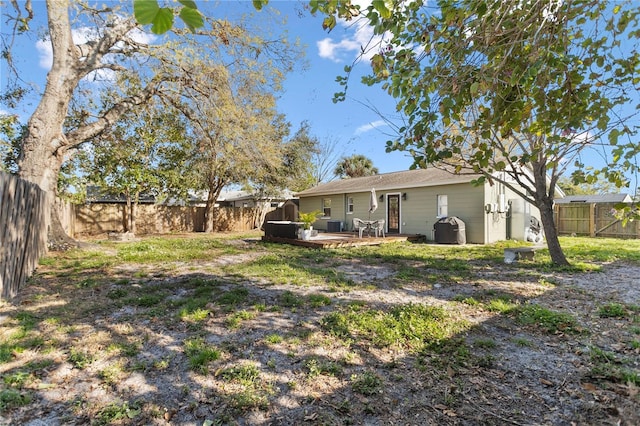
<point>334,226</point>
<point>520,219</point>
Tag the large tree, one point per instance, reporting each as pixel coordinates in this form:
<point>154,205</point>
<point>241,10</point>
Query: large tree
<point>514,90</point>
<point>135,157</point>
<point>114,45</point>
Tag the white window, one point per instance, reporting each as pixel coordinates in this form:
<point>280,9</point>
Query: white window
<point>350,205</point>
<point>443,206</point>
<point>326,207</point>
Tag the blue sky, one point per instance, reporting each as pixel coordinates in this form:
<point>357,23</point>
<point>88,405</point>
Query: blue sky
<point>308,94</point>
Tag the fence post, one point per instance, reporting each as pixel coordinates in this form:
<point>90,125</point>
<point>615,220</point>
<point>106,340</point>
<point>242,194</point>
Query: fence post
<point>592,220</point>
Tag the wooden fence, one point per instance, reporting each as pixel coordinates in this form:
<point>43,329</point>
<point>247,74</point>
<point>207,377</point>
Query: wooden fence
<point>594,220</point>
<point>24,216</point>
<point>96,219</point>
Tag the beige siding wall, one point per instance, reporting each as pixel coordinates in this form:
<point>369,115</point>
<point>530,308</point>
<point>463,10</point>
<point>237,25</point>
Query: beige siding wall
<point>497,223</point>
<point>315,203</point>
<point>419,212</point>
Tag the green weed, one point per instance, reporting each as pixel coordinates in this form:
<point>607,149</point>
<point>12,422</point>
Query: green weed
<point>273,339</point>
<point>200,354</point>
<point>612,310</point>
<point>12,398</point>
<point>114,412</point>
<point>234,297</point>
<point>367,383</point>
<point>234,320</point>
<point>80,358</point>
<point>319,300</point>
<point>548,320</point>
<point>253,393</point>
<point>289,299</point>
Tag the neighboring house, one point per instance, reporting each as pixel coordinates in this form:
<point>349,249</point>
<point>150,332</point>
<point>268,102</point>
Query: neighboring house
<point>249,199</point>
<point>96,195</point>
<point>598,198</point>
<point>411,202</point>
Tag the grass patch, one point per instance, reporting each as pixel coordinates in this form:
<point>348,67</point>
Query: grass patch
<point>117,412</point>
<point>612,310</point>
<point>289,299</point>
<point>234,297</point>
<point>608,366</point>
<point>550,321</point>
<point>318,300</point>
<point>316,367</point>
<point>250,391</point>
<point>367,383</point>
<point>200,354</point>
<point>234,320</point>
<point>80,358</point>
<point>12,398</point>
<point>410,326</point>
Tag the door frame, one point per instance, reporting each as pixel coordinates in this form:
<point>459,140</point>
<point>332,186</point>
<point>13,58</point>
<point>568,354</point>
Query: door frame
<point>399,196</point>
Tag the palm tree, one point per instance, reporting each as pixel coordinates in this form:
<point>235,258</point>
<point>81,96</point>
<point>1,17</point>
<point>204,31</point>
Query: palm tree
<point>355,166</point>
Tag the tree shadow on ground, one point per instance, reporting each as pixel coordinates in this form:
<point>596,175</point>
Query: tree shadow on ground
<point>96,347</point>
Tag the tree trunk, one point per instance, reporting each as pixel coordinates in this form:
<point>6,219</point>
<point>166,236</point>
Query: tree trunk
<point>551,234</point>
<point>45,145</point>
<point>208,212</point>
<point>544,202</point>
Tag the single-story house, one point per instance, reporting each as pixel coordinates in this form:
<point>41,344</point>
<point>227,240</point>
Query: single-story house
<point>411,202</point>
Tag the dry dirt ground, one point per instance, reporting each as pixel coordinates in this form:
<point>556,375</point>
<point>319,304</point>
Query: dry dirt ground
<point>512,373</point>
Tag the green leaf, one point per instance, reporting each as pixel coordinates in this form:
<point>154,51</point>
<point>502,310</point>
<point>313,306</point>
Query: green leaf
<point>258,4</point>
<point>329,23</point>
<point>381,7</point>
<point>474,88</point>
<point>192,18</point>
<point>145,11</point>
<point>163,21</point>
<point>189,3</point>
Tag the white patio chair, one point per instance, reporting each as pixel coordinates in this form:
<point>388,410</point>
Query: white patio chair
<point>359,225</point>
<point>379,227</point>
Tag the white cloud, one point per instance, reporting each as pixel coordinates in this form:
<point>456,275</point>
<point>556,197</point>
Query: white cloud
<point>358,36</point>
<point>370,126</point>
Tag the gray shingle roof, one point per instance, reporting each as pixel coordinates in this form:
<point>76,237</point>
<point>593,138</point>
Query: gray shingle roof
<point>389,181</point>
<point>597,198</point>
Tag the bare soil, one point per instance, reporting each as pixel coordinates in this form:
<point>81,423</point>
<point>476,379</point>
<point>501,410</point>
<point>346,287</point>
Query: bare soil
<point>514,374</point>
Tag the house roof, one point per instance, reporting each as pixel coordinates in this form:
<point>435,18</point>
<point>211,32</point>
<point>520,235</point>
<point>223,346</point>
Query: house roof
<point>597,198</point>
<point>389,181</point>
<point>96,194</point>
<point>247,195</point>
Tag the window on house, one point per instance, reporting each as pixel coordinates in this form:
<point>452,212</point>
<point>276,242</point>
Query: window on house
<point>326,207</point>
<point>349,205</point>
<point>443,206</point>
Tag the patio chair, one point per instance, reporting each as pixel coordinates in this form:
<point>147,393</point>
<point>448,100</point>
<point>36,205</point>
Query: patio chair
<point>378,225</point>
<point>359,226</point>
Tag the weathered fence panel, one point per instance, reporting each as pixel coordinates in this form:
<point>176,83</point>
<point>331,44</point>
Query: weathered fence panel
<point>24,217</point>
<point>98,218</point>
<point>594,220</point>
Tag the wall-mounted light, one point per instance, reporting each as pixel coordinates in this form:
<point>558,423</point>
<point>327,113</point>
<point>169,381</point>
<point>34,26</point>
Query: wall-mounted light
<point>404,196</point>
<point>381,198</point>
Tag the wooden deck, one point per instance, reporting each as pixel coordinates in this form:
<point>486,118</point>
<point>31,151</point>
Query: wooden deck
<point>344,239</point>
